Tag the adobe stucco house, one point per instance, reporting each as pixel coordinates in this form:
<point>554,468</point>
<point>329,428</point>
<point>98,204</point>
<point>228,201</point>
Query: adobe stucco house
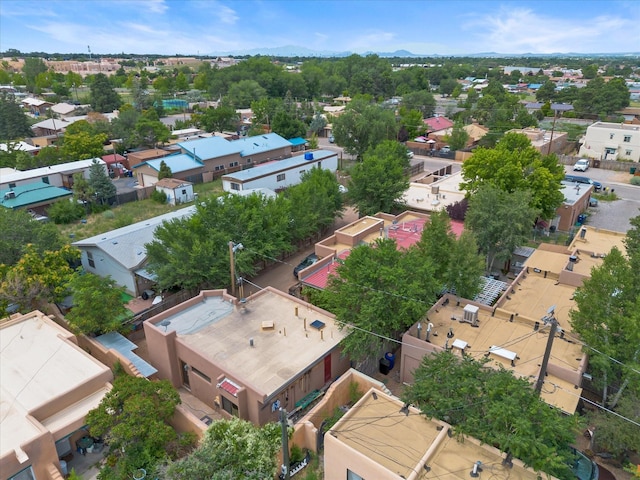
<point>247,358</point>
<point>611,141</point>
<point>49,384</point>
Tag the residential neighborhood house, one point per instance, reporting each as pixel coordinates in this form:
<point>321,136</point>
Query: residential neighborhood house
<point>611,141</point>
<point>49,384</point>
<point>247,357</point>
<point>280,174</point>
<point>121,253</point>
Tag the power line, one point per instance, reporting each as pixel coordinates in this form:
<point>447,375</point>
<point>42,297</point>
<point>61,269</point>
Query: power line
<point>594,404</point>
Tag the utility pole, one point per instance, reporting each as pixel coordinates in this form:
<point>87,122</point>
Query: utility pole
<point>285,444</point>
<point>232,264</point>
<point>547,354</point>
<point>553,127</point>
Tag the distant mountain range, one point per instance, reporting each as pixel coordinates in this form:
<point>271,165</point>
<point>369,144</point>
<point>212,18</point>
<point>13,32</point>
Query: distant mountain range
<point>297,51</point>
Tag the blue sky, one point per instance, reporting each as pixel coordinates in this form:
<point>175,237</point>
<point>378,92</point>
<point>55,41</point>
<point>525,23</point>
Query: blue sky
<point>191,27</point>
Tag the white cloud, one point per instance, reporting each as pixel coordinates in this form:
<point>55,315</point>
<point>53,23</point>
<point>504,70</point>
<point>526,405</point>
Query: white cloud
<point>227,15</point>
<point>157,6</point>
<point>513,30</point>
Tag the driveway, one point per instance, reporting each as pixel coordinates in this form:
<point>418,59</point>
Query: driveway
<point>280,274</point>
<point>615,215</point>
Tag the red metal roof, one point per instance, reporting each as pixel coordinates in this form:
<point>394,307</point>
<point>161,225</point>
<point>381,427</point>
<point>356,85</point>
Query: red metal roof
<point>438,123</point>
<point>229,387</point>
<point>320,277</point>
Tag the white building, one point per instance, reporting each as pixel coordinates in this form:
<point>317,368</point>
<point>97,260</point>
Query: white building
<point>177,191</point>
<point>121,253</point>
<point>57,175</point>
<point>281,173</point>
<point>611,141</point>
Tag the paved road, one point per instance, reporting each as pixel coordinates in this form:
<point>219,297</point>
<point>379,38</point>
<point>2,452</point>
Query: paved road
<point>615,215</point>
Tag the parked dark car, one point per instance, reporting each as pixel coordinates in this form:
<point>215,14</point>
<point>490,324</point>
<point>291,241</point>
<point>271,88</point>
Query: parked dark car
<point>597,186</point>
<point>307,262</point>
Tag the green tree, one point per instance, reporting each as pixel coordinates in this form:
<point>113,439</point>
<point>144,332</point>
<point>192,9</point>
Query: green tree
<point>20,230</point>
<point>459,136</point>
<point>82,146</point>
<point>242,93</point>
<point>97,304</point>
<point>421,100</point>
<point>363,125</point>
<point>102,186</point>
<point>546,92</point>
<point>457,264</point>
<point>447,86</point>
<point>37,278</point>
<point>496,408</point>
<point>412,121</point>
<point>219,119</point>
<point>165,171</point>
<point>287,125</point>
<point>590,71</point>
<point>73,80</point>
<point>182,82</point>
<point>607,319</point>
<point>13,122</point>
<point>150,132</point>
<point>500,220</point>
<point>223,453</point>
<point>124,126</point>
<point>318,123</point>
<point>33,66</point>
<point>103,97</point>
<point>135,438</point>
<point>65,212</point>
<point>515,165</point>
<point>371,292</point>
<point>379,181</point>
<point>314,203</point>
<point>617,435</point>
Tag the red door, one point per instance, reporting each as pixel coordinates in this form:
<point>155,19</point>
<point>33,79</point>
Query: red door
<point>327,368</point>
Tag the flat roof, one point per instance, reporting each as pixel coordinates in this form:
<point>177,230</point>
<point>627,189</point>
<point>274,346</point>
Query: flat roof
<point>574,191</point>
<point>598,241</point>
<point>221,331</point>
<point>38,363</point>
<point>519,337</point>
<point>376,429</point>
<point>181,162</point>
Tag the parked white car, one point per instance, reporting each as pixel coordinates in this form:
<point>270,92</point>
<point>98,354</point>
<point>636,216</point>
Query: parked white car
<point>581,165</point>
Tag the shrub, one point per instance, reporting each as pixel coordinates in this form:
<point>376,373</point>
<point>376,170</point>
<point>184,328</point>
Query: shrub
<point>635,180</point>
<point>64,212</point>
<point>159,197</point>
<point>123,221</point>
<point>109,215</point>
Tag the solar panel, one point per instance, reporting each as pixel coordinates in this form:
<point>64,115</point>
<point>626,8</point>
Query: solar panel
<point>317,324</point>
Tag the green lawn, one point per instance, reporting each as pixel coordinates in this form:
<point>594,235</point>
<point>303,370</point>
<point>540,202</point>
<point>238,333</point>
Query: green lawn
<point>129,213</point>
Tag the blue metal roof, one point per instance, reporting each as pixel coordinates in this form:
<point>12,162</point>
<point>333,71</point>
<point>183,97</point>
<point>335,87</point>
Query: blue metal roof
<point>279,165</point>
<point>125,347</point>
<point>177,163</point>
<point>297,141</point>
<point>211,147</point>
<point>31,193</point>
<point>261,143</point>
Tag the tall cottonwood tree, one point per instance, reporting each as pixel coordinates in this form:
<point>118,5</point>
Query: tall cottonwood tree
<point>515,165</point>
<point>379,181</point>
<point>500,220</point>
<point>372,291</point>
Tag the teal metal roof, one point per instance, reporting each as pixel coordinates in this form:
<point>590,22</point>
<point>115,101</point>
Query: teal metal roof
<point>30,194</point>
<point>296,142</point>
<point>177,163</point>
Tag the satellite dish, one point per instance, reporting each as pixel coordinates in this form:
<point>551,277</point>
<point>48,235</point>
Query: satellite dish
<point>551,310</point>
